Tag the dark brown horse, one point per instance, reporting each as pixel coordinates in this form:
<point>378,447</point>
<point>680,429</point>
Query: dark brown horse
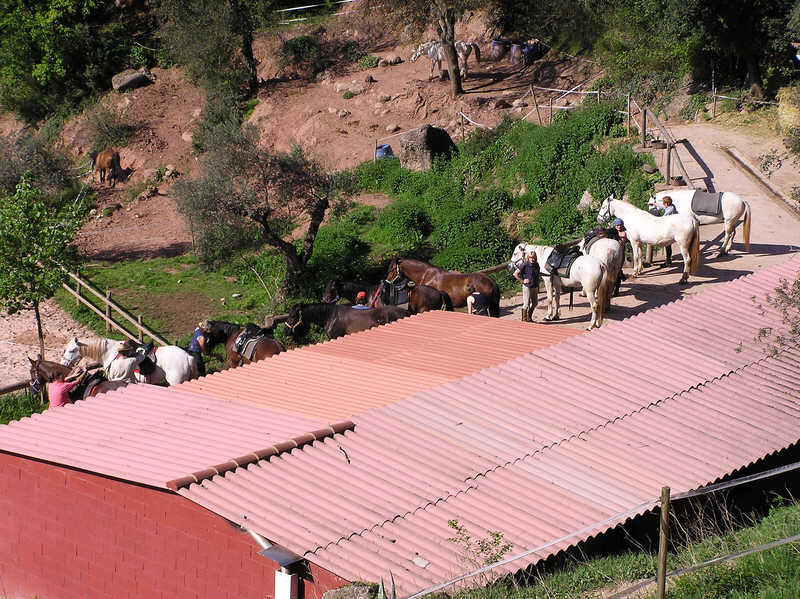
<point>338,319</point>
<point>228,333</point>
<point>44,371</point>
<point>421,298</point>
<point>456,285</point>
<point>107,163</point>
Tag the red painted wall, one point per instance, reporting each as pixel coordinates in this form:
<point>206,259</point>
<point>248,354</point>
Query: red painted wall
<point>69,534</point>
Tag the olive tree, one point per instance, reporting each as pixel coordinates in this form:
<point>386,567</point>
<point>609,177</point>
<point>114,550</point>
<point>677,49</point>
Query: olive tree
<point>251,196</point>
<point>35,247</point>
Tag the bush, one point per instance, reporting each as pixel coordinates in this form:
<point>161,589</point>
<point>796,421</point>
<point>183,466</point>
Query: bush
<point>348,94</point>
<point>402,226</point>
<point>301,51</point>
<point>21,152</point>
<point>338,253</point>
<point>368,62</point>
<point>107,128</point>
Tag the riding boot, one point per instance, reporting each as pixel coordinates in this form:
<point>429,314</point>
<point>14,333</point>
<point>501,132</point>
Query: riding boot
<point>530,315</point>
<point>523,314</point>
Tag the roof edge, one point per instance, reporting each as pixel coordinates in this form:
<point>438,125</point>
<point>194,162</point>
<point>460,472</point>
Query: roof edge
<point>261,454</point>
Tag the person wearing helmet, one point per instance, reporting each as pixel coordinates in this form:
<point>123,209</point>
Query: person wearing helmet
<point>198,345</point>
<point>619,225</point>
<point>361,301</point>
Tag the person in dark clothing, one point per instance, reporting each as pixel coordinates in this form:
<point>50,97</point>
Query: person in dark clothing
<point>619,225</point>
<point>198,345</point>
<point>361,301</point>
<point>528,275</point>
<point>477,303</point>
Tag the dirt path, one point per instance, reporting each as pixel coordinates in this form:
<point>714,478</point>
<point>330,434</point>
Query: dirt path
<point>775,233</point>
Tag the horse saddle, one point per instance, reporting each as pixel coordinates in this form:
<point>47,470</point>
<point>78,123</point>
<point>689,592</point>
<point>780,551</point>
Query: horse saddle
<point>145,353</point>
<point>94,379</point>
<point>560,260</point>
<point>707,204</point>
<point>394,294</point>
<point>247,341</point>
<point>598,233</point>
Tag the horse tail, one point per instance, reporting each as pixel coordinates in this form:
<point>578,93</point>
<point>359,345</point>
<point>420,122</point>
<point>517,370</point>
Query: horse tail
<point>477,51</point>
<point>93,158</point>
<point>695,247</point>
<point>746,226</point>
<point>602,293</point>
<point>494,307</point>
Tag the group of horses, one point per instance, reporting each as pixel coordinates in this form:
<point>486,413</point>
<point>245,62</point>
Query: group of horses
<point>595,271</point>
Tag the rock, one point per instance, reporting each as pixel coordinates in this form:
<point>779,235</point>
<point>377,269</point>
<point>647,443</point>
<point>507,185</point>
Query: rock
<point>518,102</point>
<point>356,88</point>
<point>180,281</point>
<point>370,79</point>
<point>385,98</point>
<point>236,295</point>
<point>649,169</point>
<point>384,63</point>
<point>187,136</point>
<point>93,212</point>
<point>170,172</point>
<point>131,79</point>
<point>501,104</point>
<point>149,173</point>
<point>392,128</point>
<point>420,146</point>
<point>396,60</point>
<point>343,114</point>
<point>340,87</point>
<point>332,110</point>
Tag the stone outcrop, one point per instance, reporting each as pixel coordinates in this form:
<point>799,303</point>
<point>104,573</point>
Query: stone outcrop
<point>131,79</point>
<point>420,146</point>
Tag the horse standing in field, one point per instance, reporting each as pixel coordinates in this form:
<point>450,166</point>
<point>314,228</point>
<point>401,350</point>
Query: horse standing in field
<point>169,363</point>
<point>243,344</point>
<point>338,319</point>
<point>586,272</point>
<point>435,52</point>
<point>726,207</point>
<point>455,285</point>
<point>421,298</point>
<point>44,371</point>
<point>643,227</point>
<point>106,162</point>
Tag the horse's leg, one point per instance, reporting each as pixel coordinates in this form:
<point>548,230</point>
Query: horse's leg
<point>548,287</point>
<point>556,298</point>
<point>591,294</point>
<point>687,261</point>
<point>637,258</point>
<point>730,233</point>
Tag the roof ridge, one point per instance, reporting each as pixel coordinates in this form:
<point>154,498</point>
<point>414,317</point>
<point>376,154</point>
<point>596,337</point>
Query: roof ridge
<point>260,454</point>
<point>497,467</point>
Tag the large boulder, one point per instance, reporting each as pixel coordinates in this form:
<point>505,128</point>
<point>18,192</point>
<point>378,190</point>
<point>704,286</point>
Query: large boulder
<point>420,146</point>
<point>131,79</point>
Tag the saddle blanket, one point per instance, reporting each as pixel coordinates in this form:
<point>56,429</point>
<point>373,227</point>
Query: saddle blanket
<point>560,260</point>
<point>246,346</point>
<point>707,204</point>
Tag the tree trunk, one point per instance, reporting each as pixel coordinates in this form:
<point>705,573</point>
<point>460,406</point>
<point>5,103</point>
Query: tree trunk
<point>39,329</point>
<point>244,26</point>
<point>754,76</point>
<point>447,37</point>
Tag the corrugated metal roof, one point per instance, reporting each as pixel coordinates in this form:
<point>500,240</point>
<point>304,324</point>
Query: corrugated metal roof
<point>355,373</point>
<point>537,447</point>
<point>153,435</point>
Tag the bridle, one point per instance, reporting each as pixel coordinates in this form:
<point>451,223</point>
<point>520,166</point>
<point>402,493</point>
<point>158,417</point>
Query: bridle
<point>36,383</point>
<point>292,327</point>
<point>337,298</point>
<point>396,273</point>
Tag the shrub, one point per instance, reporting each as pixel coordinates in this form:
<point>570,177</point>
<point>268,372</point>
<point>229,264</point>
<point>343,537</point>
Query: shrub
<point>108,128</point>
<point>303,50</point>
<point>618,130</point>
<point>351,51</point>
<point>374,176</point>
<point>338,252</point>
<point>21,152</point>
<point>401,226</point>
<point>348,94</point>
<point>368,62</point>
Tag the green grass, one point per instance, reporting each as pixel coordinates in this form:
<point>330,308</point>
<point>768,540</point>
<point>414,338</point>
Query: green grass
<point>771,574</point>
<point>15,406</point>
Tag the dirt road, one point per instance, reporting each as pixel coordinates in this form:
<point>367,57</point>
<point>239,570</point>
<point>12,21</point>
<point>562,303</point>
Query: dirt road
<point>774,237</point>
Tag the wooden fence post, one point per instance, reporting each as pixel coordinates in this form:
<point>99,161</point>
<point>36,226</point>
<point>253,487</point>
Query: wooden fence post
<point>668,164</point>
<point>663,538</point>
<point>536,104</point>
<point>551,112</point>
<point>375,153</point>
<point>139,320</point>
<point>714,105</point>
<point>629,115</point>
<point>108,310</point>
<point>644,127</point>
<point>463,135</point>
<point>78,293</point>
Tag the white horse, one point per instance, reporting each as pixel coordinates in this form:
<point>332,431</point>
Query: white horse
<point>733,207</point>
<point>611,254</point>
<point>172,364</point>
<point>643,227</point>
<point>435,53</point>
<point>586,272</point>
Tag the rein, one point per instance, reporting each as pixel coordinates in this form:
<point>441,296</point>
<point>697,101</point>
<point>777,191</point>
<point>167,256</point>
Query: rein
<point>292,327</point>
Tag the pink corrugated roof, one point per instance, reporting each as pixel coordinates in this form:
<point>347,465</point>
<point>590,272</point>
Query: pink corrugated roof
<point>537,447</point>
<point>355,373</point>
<point>541,444</point>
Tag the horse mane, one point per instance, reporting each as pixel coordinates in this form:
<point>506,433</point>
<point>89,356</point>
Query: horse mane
<point>94,348</point>
<point>317,312</point>
<point>222,331</point>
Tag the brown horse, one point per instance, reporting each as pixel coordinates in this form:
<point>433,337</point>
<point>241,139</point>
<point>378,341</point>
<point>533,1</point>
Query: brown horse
<point>107,163</point>
<point>421,298</point>
<point>339,319</point>
<point>228,333</point>
<point>44,371</point>
<point>456,285</point>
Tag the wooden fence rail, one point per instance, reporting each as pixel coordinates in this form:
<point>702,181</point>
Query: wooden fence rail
<point>109,306</point>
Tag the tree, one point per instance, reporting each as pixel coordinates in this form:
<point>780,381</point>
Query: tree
<point>35,243</point>
<point>252,196</point>
<point>204,35</point>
